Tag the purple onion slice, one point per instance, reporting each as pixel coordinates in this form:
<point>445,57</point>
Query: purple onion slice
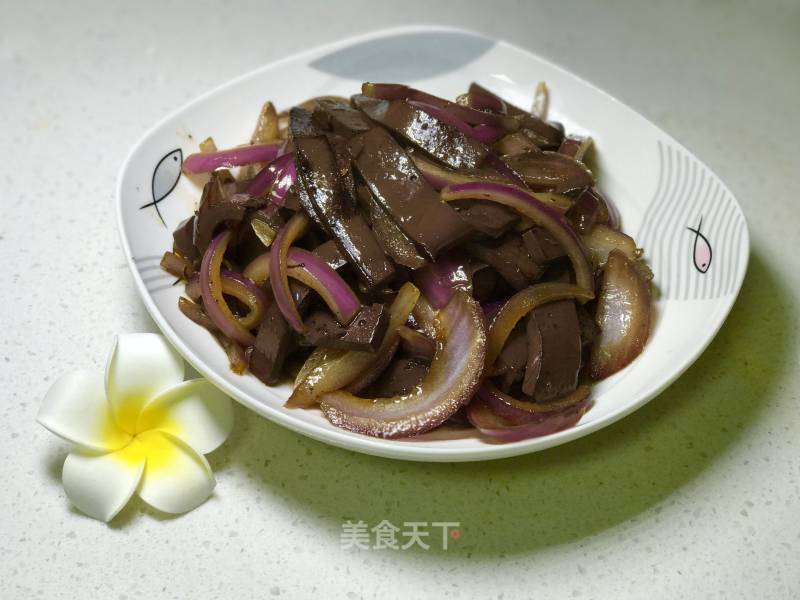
<point>281,172</point>
<point>540,213</point>
<point>204,162</point>
<point>293,229</point>
<point>623,314</point>
<point>465,114</point>
<point>453,378</point>
<point>328,369</point>
<point>520,412</point>
<point>439,280</point>
<point>320,277</point>
<point>212,293</point>
<point>502,430</point>
<point>523,302</point>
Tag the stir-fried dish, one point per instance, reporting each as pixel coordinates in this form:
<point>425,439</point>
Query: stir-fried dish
<point>413,261</point>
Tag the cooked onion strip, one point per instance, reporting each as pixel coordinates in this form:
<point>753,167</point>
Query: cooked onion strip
<point>520,411</point>
<point>453,378</point>
<point>212,293</point>
<point>538,212</point>
<point>326,371</point>
<point>523,302</point>
<point>294,228</point>
<point>204,162</point>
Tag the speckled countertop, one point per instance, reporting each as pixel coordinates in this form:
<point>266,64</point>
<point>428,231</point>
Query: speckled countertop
<point>696,495</point>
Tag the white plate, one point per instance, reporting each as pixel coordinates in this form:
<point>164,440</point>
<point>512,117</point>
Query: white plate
<point>662,191</point>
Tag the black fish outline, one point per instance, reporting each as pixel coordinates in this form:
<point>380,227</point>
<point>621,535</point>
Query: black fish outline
<point>701,251</point>
<point>161,167</point>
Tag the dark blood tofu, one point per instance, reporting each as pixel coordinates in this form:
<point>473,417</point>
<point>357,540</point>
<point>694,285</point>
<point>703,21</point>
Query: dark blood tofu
<point>485,284</point>
<point>552,133</point>
<point>512,360</point>
<point>301,123</point>
<point>330,254</point>
<point>367,328</point>
<point>542,246</point>
<point>218,205</point>
<point>339,117</point>
<point>275,339</point>
<point>365,332</point>
<point>394,242</point>
<point>404,194</point>
<point>335,208</point>
<point>442,141</point>
<point>511,258</point>
<point>183,239</point>
<point>487,217</point>
<point>400,377</point>
<point>550,171</point>
<point>554,351</point>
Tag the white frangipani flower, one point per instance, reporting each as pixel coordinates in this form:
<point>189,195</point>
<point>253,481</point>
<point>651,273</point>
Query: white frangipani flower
<point>140,429</point>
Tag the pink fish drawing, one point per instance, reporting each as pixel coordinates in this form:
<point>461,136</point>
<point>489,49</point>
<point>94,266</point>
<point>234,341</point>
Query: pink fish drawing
<point>702,249</point>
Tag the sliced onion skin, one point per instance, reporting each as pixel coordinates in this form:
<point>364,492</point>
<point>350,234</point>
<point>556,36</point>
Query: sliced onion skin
<point>329,370</point>
<point>314,273</point>
<point>465,114</point>
<point>240,287</point>
<point>320,277</point>
<point>488,134</point>
<point>212,294</point>
<point>293,229</point>
<point>439,280</point>
<point>623,314</point>
<point>498,429</point>
<point>272,173</point>
<point>575,147</point>
<point>204,162</point>
<point>535,210</point>
<point>523,302</point>
<point>284,181</point>
<point>519,412</point>
<point>424,314</point>
<point>454,376</point>
<point>440,176</point>
<point>257,270</point>
<point>541,101</point>
<point>266,128</point>
<point>602,239</point>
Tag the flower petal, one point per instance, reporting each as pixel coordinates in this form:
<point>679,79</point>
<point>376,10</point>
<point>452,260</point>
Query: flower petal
<point>75,408</point>
<point>176,478</point>
<point>101,484</point>
<point>193,411</point>
<point>140,367</point>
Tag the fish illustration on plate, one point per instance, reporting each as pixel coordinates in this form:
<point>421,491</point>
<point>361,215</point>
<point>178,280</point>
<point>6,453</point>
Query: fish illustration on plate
<point>702,248</point>
<point>165,178</point>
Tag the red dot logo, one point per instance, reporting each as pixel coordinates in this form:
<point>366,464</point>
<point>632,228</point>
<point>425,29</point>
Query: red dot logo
<point>455,534</point>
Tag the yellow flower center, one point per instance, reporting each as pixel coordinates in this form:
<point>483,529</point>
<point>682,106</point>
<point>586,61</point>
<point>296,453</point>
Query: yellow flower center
<point>144,438</point>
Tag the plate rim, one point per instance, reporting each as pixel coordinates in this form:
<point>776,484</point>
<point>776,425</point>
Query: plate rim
<point>399,449</point>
